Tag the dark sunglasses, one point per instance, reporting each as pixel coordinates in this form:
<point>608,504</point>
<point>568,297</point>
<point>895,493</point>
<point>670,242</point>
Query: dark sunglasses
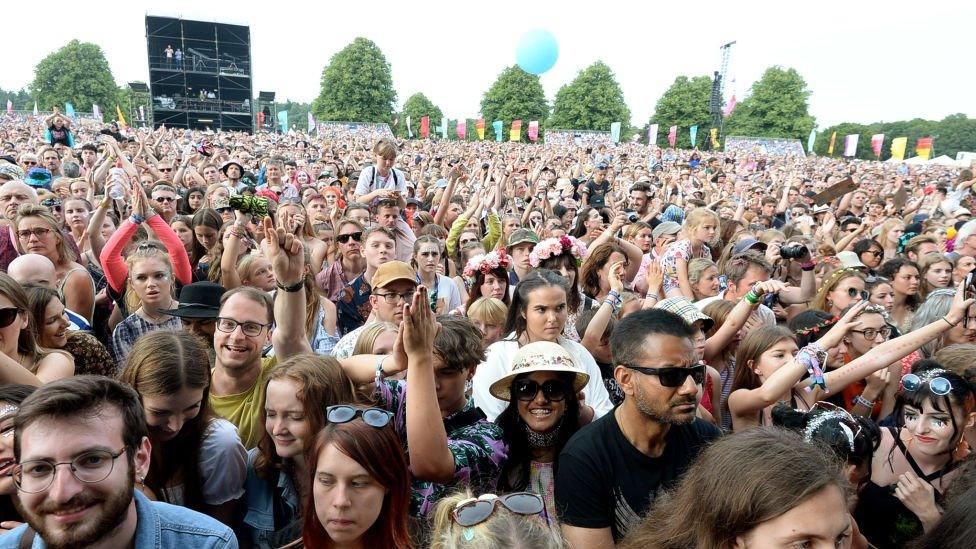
<point>343,238</point>
<point>343,413</point>
<point>875,253</point>
<point>526,390</point>
<point>471,512</point>
<point>911,382</point>
<point>854,292</point>
<point>225,210</point>
<point>7,316</point>
<point>166,199</point>
<point>673,376</point>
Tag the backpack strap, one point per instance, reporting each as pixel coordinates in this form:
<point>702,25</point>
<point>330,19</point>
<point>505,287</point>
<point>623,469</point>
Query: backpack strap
<point>27,539</point>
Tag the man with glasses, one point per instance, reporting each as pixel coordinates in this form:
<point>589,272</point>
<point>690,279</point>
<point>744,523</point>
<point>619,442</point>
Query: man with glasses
<point>393,285</point>
<point>243,331</point>
<point>165,199</point>
<point>81,447</point>
<point>611,471</point>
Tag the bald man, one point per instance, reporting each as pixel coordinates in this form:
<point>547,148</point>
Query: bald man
<point>13,194</point>
<point>37,269</point>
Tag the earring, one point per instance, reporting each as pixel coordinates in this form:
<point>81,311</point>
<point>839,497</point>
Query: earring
<point>961,451</point>
<point>142,480</point>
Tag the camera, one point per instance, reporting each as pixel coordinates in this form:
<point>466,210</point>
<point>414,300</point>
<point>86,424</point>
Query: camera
<point>793,252</point>
<point>632,216</point>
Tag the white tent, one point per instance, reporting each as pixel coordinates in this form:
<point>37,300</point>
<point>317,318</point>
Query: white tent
<point>916,161</point>
<point>944,160</point>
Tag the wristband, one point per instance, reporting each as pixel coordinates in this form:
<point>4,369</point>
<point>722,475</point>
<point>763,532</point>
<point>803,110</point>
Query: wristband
<point>752,298</point>
<point>137,219</point>
<point>950,323</point>
<point>380,374</point>
<point>291,289</point>
<point>869,404</point>
<point>808,266</point>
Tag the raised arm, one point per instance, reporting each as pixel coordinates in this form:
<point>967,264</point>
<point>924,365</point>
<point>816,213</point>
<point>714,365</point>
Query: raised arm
<point>229,277</point>
<point>737,319</point>
<point>284,251</point>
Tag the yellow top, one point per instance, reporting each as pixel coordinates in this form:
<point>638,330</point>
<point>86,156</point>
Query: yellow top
<point>245,409</point>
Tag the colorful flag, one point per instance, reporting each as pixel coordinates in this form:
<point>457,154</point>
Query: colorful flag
<point>311,121</point>
<point>615,132</point>
<point>534,131</point>
<point>462,129</point>
<point>69,109</point>
<point>480,127</point>
<point>833,139</point>
<point>730,106</point>
<point>923,147</point>
<point>283,121</point>
<point>850,144</point>
<point>516,133</point>
<point>672,135</point>
<point>424,127</point>
<point>652,134</point>
<point>10,107</point>
<point>497,126</point>
<point>443,128</point>
<point>35,108</point>
<point>119,117</point>
<point>715,143</point>
<point>693,133</point>
<point>409,129</point>
<point>898,146</point>
<point>810,140</point>
<point>876,141</point>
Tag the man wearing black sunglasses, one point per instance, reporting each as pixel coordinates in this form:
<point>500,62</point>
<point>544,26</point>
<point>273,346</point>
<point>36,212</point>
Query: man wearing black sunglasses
<point>611,471</point>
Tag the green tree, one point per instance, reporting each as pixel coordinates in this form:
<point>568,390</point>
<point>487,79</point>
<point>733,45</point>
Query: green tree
<point>416,107</point>
<point>592,101</point>
<point>515,95</point>
<point>79,73</point>
<point>951,135</point>
<point>776,106</point>
<point>684,104</point>
<point>357,85</point>
<point>297,114</point>
<point>21,99</point>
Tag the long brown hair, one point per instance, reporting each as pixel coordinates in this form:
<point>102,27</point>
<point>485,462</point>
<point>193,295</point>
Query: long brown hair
<point>595,260</point>
<point>750,349</point>
<point>163,363</point>
<point>747,478</point>
<point>27,344</point>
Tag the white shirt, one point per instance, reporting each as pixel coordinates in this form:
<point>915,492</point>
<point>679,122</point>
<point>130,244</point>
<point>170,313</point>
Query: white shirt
<point>498,364</point>
<point>395,181</point>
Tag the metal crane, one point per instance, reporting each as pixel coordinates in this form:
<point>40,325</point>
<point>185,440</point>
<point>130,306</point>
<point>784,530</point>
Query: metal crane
<point>718,88</point>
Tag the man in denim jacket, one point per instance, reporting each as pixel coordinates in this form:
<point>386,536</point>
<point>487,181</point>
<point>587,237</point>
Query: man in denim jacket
<point>81,448</point>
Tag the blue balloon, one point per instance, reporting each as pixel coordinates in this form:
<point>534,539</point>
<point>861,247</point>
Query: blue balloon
<point>537,51</point>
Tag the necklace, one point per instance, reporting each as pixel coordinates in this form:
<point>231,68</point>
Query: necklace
<point>543,441</point>
<point>157,319</point>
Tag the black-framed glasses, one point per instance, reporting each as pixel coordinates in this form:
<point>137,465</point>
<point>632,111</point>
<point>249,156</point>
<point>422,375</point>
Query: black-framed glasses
<point>7,316</point>
<point>673,376</point>
<point>875,253</point>
<point>37,475</point>
<point>228,325</point>
<point>343,413</point>
<point>393,297</point>
<point>527,389</point>
<point>39,232</point>
<point>165,170</point>
<point>938,385</point>
<point>343,238</point>
<point>473,511</point>
<point>871,333</point>
<point>854,292</point>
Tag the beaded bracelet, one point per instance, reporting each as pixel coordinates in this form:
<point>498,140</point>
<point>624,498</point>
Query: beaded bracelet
<point>869,404</point>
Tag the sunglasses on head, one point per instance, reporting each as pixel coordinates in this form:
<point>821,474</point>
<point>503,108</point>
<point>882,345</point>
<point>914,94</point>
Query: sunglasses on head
<point>673,376</point>
<point>52,203</point>
<point>912,382</point>
<point>471,512</point>
<point>527,389</point>
<point>343,238</point>
<point>343,413</point>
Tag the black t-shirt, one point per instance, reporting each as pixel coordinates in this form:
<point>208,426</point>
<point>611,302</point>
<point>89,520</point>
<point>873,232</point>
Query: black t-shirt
<point>604,482</point>
<point>60,136</point>
<point>597,193</point>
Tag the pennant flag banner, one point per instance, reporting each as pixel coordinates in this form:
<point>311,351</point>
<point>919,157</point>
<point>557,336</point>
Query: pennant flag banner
<point>833,139</point>
<point>923,147</point>
<point>672,135</point>
<point>729,107</point>
<point>497,126</point>
<point>652,134</point>
<point>615,132</point>
<point>693,132</point>
<point>283,121</point>
<point>424,127</point>
<point>10,107</point>
<point>810,140</point>
<point>715,143</point>
<point>35,108</point>
<point>479,126</point>
<point>69,109</point>
<point>516,133</point>
<point>96,112</point>
<point>850,144</point>
<point>534,131</point>
<point>119,117</point>
<point>443,128</point>
<point>311,121</point>
<point>898,146</point>
<point>876,141</point>
<point>409,129</point>
<point>462,129</point>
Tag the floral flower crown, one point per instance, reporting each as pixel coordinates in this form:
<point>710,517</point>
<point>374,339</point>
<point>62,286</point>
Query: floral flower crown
<point>816,328</point>
<point>486,263</point>
<point>553,247</point>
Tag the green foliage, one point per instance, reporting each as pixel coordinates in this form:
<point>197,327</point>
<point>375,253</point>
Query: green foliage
<point>416,107</point>
<point>684,104</point>
<point>22,100</point>
<point>952,134</point>
<point>297,114</point>
<point>515,95</point>
<point>357,86</point>
<point>78,73</point>
<point>592,101</point>
<point>776,106</point>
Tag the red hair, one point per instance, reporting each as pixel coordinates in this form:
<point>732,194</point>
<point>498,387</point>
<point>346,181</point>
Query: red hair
<point>378,451</point>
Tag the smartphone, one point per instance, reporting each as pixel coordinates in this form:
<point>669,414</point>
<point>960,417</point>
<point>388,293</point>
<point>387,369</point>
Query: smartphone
<point>970,286</point>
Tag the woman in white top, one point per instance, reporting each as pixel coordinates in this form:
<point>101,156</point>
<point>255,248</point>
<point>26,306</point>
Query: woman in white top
<point>444,295</point>
<point>538,313</point>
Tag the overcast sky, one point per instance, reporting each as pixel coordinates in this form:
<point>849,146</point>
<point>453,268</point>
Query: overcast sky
<point>863,61</point>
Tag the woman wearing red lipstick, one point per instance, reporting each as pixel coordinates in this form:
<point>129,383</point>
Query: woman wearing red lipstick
<point>917,460</point>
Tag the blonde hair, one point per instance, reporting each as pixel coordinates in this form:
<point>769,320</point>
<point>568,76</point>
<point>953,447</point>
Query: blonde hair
<point>502,529</point>
<point>367,338</point>
<point>696,217</point>
<point>830,282</point>
<point>65,254</point>
<point>307,231</point>
<point>489,310</point>
<point>698,266</point>
<point>149,249</point>
<point>246,266</point>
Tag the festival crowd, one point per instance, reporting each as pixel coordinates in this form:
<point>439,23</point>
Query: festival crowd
<point>213,339</point>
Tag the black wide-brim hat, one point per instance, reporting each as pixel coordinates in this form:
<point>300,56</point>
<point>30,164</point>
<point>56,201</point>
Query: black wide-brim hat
<point>198,300</point>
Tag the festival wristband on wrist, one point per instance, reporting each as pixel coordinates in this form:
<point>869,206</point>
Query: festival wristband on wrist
<point>752,298</point>
<point>869,404</point>
<point>808,266</point>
